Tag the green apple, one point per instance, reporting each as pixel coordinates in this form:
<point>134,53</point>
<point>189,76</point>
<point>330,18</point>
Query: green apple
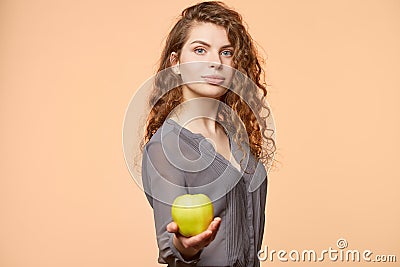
<point>192,213</point>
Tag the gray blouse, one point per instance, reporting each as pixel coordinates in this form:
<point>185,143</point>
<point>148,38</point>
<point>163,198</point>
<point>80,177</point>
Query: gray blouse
<point>176,162</point>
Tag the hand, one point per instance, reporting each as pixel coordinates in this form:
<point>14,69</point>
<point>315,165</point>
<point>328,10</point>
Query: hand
<point>190,246</point>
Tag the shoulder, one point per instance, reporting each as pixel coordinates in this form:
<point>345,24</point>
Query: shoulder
<point>165,129</point>
<point>176,138</point>
<point>162,137</point>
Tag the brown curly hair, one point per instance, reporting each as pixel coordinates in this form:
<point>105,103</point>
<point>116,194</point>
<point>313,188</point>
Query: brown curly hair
<point>245,60</point>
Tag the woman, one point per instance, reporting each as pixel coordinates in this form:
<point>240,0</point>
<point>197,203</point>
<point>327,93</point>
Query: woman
<point>206,134</point>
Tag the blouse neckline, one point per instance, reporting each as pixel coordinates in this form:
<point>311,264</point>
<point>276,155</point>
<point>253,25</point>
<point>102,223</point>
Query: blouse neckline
<point>190,134</point>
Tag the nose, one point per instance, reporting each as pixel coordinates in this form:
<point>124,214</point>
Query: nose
<point>215,61</point>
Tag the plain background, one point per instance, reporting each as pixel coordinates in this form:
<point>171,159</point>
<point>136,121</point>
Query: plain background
<point>68,70</point>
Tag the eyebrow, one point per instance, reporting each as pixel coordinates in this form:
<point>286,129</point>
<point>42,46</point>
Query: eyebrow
<point>208,45</point>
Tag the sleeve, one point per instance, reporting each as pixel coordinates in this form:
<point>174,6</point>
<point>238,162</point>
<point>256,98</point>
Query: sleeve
<point>163,182</point>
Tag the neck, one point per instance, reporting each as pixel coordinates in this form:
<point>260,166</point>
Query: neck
<point>199,115</point>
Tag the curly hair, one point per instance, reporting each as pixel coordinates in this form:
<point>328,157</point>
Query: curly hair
<point>245,60</point>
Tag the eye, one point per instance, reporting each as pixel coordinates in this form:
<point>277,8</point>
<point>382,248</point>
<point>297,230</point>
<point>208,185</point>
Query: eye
<point>199,51</point>
<point>227,53</point>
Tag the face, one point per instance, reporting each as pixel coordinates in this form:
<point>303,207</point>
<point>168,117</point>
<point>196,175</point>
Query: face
<point>205,62</point>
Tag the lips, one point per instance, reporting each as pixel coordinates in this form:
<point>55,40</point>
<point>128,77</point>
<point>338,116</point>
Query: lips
<point>213,79</point>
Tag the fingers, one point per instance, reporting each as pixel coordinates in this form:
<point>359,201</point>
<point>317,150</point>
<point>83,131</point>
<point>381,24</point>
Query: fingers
<point>198,241</point>
<point>172,227</point>
<point>204,238</point>
<point>214,225</point>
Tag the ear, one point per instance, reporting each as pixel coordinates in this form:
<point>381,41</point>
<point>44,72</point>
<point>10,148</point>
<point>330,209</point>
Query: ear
<point>174,60</point>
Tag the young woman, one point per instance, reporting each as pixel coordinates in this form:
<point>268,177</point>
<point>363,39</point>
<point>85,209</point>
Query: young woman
<point>206,133</point>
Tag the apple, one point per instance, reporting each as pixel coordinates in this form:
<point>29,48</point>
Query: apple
<point>192,213</point>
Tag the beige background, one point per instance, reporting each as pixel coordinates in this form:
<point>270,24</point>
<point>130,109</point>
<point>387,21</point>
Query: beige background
<point>69,68</point>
